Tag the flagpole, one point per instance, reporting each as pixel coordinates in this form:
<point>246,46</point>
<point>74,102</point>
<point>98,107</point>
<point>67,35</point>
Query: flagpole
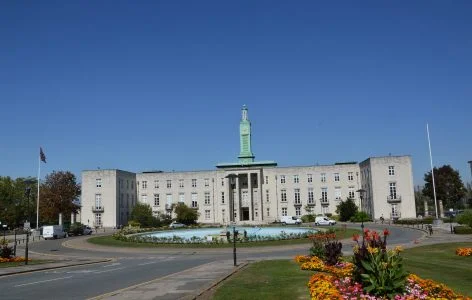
<point>432,173</point>
<point>37,203</point>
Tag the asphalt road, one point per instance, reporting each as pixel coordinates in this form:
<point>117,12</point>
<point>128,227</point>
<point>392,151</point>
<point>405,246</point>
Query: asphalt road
<point>133,267</point>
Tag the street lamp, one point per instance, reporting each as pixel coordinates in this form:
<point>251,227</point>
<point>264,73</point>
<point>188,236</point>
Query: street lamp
<point>4,231</point>
<point>361,197</point>
<point>231,196</point>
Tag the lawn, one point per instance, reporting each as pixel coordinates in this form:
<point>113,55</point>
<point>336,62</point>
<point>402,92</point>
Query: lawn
<point>18,264</point>
<point>110,241</point>
<point>273,279</point>
<point>283,279</point>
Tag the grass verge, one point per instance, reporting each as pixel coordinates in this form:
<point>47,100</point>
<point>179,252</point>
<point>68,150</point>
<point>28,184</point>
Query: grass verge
<point>273,279</point>
<point>110,241</point>
<point>18,264</point>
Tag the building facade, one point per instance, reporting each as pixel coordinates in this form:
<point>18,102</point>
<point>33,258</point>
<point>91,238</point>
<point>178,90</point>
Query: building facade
<point>253,192</point>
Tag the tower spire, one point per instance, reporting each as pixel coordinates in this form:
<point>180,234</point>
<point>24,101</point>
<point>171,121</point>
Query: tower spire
<point>245,154</point>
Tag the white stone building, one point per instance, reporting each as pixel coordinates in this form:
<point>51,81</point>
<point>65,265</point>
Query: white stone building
<point>226,194</point>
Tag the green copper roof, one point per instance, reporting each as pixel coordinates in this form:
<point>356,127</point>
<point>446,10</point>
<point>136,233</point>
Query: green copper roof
<point>266,163</point>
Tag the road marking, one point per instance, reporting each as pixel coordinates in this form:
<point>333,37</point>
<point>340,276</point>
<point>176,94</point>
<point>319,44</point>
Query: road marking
<point>112,265</point>
<point>148,263</point>
<point>36,282</point>
<point>109,270</point>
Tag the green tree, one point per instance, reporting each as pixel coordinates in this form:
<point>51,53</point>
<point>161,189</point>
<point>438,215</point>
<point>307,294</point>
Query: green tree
<point>465,218</point>
<point>14,201</point>
<point>142,213</point>
<point>346,209</point>
<point>57,195</point>
<point>449,186</point>
<point>185,214</point>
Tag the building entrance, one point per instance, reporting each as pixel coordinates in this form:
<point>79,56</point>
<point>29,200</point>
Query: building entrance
<point>245,213</point>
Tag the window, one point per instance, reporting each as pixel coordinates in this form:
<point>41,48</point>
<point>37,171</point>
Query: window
<point>223,215</point>
<point>222,197</point>
<point>98,201</point>
<point>156,199</point>
<point>156,184</point>
<point>98,219</point>
<point>323,177</point>
<point>168,199</point>
<point>282,178</point>
<point>266,180</point>
<point>169,184</point>
<point>298,211</point>
<point>207,198</point>
<point>194,200</point>
<point>207,182</point>
<point>324,194</point>
<point>284,211</point>
<point>350,176</point>
<point>391,170</point>
<point>222,182</point>
<point>337,193</point>
<point>295,179</point>
<point>311,198</point>
<point>283,195</point>
<point>351,192</point>
<point>310,178</point>
<point>336,176</point>
<point>393,190</point>
<point>143,198</point>
<point>324,210</point>
<point>207,214</point>
<point>194,183</point>
<point>181,183</point>
<point>268,212</point>
<point>181,197</point>
<point>98,181</point>
<point>297,196</point>
<point>144,184</point>
<point>132,184</point>
<point>267,195</point>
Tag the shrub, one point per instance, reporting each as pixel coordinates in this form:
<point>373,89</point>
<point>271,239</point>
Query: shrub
<point>465,218</point>
<point>462,230</point>
<point>346,209</point>
<point>5,250</point>
<point>360,217</point>
<point>76,229</point>
<point>185,214</point>
<point>308,218</point>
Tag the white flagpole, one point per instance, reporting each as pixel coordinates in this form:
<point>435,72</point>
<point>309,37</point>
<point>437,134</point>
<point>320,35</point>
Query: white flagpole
<point>37,202</point>
<point>432,173</point>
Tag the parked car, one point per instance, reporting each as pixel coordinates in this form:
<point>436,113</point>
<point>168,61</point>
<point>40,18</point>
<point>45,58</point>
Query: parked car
<point>175,224</point>
<point>290,220</point>
<point>54,232</point>
<point>87,230</point>
<point>324,221</point>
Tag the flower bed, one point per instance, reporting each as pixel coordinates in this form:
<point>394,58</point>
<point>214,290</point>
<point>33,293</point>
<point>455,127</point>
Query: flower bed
<point>464,251</point>
<point>13,259</point>
<point>376,273</point>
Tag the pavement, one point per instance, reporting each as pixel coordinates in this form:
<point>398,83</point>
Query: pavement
<point>193,283</point>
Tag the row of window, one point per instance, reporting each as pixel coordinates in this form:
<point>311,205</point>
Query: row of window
<point>206,183</point>
<point>324,194</point>
<point>296,178</point>
<point>194,199</point>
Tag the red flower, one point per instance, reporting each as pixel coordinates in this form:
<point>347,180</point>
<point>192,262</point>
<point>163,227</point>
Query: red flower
<point>386,232</point>
<point>355,237</point>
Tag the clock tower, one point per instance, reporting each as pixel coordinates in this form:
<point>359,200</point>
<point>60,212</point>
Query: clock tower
<point>245,153</point>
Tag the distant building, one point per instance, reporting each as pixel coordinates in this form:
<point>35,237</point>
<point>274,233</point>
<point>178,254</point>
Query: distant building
<point>253,192</point>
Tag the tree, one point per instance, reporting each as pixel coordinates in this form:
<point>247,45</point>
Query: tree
<point>14,206</point>
<point>465,218</point>
<point>185,214</point>
<point>346,209</point>
<point>449,186</point>
<point>142,213</point>
<point>57,195</point>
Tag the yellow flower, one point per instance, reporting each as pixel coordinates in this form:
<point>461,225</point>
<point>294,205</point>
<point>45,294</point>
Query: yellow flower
<point>372,250</point>
<point>398,249</point>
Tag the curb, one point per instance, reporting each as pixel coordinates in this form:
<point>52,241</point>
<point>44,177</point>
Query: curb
<point>216,282</point>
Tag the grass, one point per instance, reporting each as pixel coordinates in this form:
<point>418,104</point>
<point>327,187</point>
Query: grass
<point>440,263</point>
<point>19,264</point>
<point>283,279</point>
<point>273,279</point>
<point>110,241</point>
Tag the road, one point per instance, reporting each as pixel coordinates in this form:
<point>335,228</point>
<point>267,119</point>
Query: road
<point>133,266</point>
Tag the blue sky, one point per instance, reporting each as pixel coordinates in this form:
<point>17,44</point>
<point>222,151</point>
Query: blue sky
<point>159,84</point>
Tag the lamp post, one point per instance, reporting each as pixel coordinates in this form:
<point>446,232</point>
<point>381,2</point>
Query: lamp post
<point>231,195</point>
<point>4,231</point>
<point>361,197</point>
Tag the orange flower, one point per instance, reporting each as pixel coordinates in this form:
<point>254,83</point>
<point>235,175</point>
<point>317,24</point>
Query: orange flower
<point>386,232</point>
<point>355,237</point>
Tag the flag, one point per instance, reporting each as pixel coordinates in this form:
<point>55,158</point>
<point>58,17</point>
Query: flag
<point>41,155</point>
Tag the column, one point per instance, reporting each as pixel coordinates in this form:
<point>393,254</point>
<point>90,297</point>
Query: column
<point>238,200</point>
<point>261,196</point>
<point>249,194</point>
<point>229,192</point>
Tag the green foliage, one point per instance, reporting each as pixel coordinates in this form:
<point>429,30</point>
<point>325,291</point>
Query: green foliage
<point>449,186</point>
<point>346,209</point>
<point>326,246</point>
<point>465,218</point>
<point>360,216</point>
<point>142,213</point>
<point>185,214</point>
<point>462,230</point>
<point>76,229</point>
<point>308,218</point>
<point>134,223</point>
<point>5,250</point>
<point>14,202</point>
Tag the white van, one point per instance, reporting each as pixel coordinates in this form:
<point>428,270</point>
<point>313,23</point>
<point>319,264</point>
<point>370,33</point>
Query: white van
<point>290,220</point>
<point>53,232</point>
<point>324,221</point>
